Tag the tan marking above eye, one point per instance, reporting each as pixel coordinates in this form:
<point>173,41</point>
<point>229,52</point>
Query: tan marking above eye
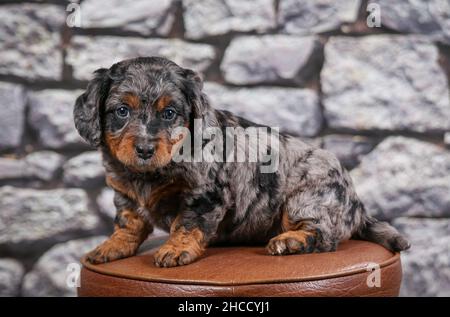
<point>163,102</point>
<point>132,100</point>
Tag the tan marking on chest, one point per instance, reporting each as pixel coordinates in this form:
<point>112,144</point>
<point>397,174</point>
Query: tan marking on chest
<point>164,191</point>
<point>147,199</point>
<point>122,187</point>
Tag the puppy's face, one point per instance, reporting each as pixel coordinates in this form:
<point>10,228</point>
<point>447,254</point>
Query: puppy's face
<point>144,103</point>
<point>140,115</point>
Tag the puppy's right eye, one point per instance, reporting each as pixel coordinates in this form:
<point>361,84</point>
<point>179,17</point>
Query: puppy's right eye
<point>122,112</point>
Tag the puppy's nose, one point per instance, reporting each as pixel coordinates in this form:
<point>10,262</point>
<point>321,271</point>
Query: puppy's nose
<point>145,151</point>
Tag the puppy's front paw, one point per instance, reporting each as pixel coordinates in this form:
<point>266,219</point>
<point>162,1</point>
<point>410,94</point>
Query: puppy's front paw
<point>171,255</point>
<point>110,250</point>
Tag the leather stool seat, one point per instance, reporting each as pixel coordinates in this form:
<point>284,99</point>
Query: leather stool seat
<point>249,271</point>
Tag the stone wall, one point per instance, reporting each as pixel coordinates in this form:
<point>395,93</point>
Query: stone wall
<point>377,97</point>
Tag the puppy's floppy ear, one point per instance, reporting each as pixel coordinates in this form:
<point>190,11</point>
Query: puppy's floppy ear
<point>87,110</point>
<point>193,87</point>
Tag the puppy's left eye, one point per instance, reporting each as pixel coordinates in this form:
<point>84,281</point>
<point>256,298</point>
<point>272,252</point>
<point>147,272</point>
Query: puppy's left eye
<point>169,114</point>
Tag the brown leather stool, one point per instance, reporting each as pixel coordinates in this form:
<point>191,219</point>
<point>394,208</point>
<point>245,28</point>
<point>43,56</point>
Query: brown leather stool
<point>249,271</point>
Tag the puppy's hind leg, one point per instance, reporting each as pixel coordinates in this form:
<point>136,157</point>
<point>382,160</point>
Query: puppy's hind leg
<point>301,234</point>
<point>301,237</point>
<point>294,241</point>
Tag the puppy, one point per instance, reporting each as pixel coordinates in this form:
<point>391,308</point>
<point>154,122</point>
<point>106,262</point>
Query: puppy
<point>130,112</point>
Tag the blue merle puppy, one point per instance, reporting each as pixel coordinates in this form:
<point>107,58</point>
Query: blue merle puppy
<point>129,112</point>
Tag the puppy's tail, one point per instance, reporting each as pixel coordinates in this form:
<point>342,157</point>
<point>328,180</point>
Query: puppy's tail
<point>382,233</point>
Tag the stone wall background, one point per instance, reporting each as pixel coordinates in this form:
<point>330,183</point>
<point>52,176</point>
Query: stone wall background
<point>377,97</point>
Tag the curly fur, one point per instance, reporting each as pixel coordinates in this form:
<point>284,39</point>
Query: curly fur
<point>307,205</point>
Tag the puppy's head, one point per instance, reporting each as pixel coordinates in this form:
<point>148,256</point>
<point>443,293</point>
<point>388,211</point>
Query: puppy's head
<point>133,108</point>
